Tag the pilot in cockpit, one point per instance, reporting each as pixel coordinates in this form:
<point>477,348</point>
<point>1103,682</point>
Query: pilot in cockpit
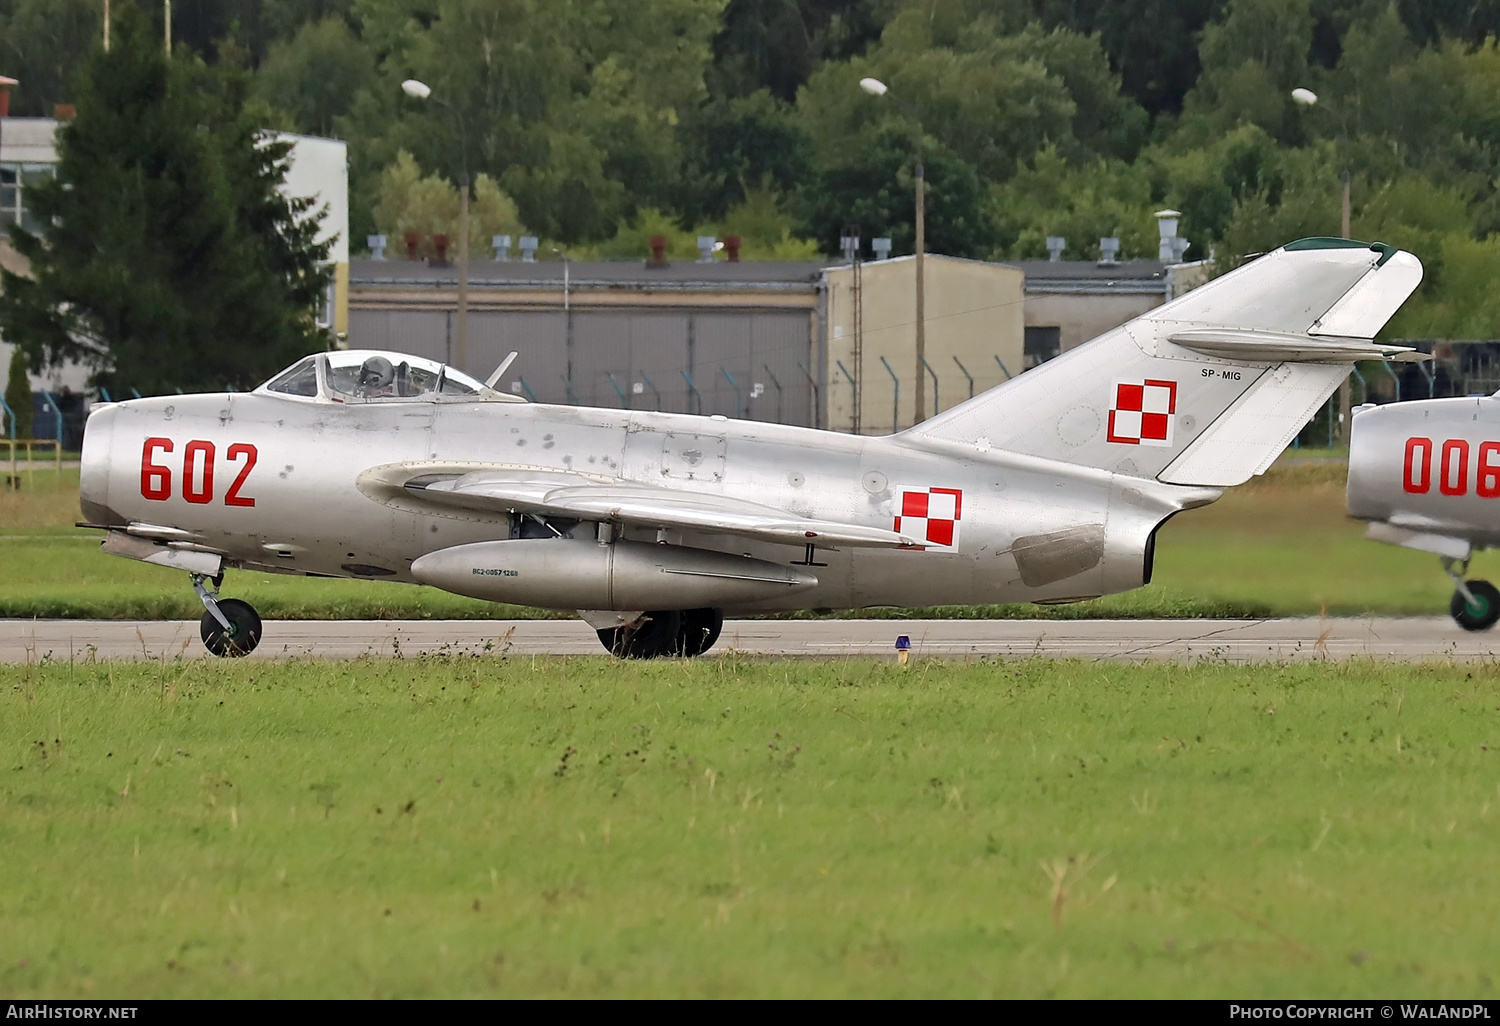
<point>376,377</point>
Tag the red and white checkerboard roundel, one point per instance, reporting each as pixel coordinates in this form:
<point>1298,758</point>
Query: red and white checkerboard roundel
<point>1143,412</point>
<point>931,515</point>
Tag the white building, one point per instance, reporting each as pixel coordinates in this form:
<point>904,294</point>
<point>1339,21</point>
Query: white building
<point>318,169</point>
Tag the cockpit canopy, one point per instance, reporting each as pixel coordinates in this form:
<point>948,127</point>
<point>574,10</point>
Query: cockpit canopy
<point>374,376</point>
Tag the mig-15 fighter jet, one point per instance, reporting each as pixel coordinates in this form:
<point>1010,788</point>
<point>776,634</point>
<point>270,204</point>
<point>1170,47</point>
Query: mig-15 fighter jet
<point>655,526</point>
<point>1426,475</point>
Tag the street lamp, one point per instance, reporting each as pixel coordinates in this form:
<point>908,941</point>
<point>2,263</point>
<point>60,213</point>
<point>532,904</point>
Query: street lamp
<point>421,91</point>
<point>875,87</point>
<point>1308,98</point>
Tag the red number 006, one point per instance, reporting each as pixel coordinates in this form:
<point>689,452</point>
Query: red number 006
<point>1450,465</point>
<point>198,458</point>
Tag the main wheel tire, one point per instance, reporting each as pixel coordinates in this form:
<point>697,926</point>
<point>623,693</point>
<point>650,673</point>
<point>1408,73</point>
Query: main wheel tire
<point>1481,614</point>
<point>655,635</point>
<point>243,634</point>
<point>700,629</point>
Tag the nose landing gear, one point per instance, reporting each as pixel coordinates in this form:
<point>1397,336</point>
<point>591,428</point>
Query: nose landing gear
<point>1476,604</point>
<point>230,628</point>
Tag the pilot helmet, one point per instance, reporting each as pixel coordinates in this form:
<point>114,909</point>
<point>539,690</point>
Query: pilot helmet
<point>376,372</point>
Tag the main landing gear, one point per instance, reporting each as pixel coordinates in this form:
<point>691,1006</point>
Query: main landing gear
<point>1476,604</point>
<point>230,628</point>
<point>665,632</point>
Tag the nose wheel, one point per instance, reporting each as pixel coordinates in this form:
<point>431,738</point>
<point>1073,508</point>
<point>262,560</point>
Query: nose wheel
<point>1476,604</point>
<point>230,628</point>
<point>1480,609</point>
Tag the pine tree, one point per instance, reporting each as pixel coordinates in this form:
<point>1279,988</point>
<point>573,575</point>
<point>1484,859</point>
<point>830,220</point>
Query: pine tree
<point>18,396</point>
<point>168,258</point>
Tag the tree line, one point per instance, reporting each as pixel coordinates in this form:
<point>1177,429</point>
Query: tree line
<point>596,123</point>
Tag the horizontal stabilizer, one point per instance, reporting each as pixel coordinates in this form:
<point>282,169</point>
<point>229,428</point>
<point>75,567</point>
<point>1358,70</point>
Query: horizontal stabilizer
<point>1254,346</point>
<point>568,495</point>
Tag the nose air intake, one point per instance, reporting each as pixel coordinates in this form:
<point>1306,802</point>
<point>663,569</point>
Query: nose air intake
<point>93,475</point>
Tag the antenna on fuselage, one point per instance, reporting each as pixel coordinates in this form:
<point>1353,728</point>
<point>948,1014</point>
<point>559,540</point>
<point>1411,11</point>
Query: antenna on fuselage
<point>500,370</point>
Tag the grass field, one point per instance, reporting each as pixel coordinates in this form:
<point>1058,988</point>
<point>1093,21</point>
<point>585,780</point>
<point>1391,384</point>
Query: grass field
<point>1281,545</point>
<point>470,827</point>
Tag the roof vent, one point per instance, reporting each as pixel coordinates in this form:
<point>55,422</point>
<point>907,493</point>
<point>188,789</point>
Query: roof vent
<point>849,245</point>
<point>1166,227</point>
<point>1109,251</point>
<point>882,248</point>
<point>706,246</point>
<point>732,244</point>
<point>658,258</point>
<point>376,243</point>
<point>502,246</point>
<point>529,244</point>
<point>1055,246</point>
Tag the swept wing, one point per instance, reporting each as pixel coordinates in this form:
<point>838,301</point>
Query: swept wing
<point>578,497</point>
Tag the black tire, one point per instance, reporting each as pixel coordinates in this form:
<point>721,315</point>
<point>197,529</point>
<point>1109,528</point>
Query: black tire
<point>1481,614</point>
<point>700,629</point>
<point>240,639</point>
<point>655,636</point>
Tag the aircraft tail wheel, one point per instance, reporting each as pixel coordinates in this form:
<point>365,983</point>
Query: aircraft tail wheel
<point>656,635</point>
<point>243,633</point>
<point>1480,614</point>
<point>700,629</point>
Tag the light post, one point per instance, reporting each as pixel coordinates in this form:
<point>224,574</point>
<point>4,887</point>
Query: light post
<point>567,312</point>
<point>421,91</point>
<point>1308,98</point>
<point>875,87</point>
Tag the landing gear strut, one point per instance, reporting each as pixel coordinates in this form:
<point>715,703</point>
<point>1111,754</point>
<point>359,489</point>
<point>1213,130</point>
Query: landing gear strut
<point>230,628</point>
<point>1476,604</point>
<point>665,632</point>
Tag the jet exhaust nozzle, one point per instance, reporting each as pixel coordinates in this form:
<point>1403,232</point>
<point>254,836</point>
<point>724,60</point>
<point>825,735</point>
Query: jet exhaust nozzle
<point>566,573</point>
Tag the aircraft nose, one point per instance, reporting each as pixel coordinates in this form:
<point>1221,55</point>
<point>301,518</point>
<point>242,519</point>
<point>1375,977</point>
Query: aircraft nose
<point>93,475</point>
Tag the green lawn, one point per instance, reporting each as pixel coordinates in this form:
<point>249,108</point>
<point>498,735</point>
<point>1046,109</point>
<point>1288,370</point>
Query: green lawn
<point>1279,546</point>
<point>549,827</point>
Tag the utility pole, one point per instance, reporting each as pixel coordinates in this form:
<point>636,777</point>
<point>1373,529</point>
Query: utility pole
<point>1308,98</point>
<point>920,413</point>
<point>419,90</point>
<point>168,20</point>
<point>106,26</point>
<point>463,271</point>
<point>1346,388</point>
<point>875,87</point>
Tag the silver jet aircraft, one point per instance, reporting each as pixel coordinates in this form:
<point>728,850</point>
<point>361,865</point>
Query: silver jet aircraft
<point>655,526</point>
<point>1426,475</point>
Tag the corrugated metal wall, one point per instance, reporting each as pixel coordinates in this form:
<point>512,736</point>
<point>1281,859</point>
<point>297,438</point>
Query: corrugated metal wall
<point>726,354</point>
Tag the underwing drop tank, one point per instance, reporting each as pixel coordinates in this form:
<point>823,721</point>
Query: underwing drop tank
<point>566,573</point>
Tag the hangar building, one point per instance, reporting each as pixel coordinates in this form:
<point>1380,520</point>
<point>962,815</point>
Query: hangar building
<point>765,341</point>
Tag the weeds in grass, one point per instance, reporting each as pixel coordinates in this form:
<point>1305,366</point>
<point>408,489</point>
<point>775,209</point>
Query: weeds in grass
<point>1279,854</point>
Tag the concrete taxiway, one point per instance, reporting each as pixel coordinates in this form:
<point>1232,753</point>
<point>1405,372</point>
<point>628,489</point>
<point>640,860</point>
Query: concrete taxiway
<point>1237,641</point>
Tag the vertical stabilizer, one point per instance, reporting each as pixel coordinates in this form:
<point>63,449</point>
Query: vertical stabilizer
<point>1134,402</point>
